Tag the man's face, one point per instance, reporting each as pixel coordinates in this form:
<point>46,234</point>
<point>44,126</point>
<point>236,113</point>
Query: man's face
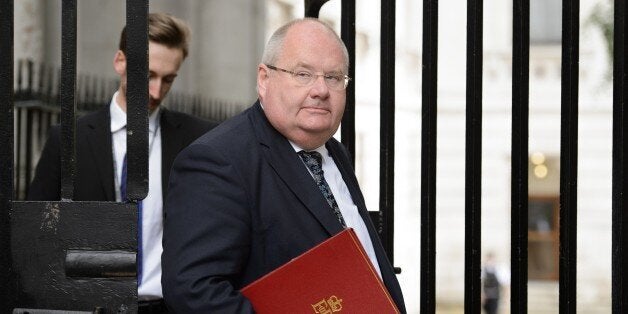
<point>306,115</point>
<point>163,65</point>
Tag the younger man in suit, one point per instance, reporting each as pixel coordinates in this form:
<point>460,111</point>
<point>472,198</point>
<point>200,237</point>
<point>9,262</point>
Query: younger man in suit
<point>101,149</point>
<point>242,201</point>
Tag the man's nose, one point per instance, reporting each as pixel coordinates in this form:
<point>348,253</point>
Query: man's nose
<point>319,87</point>
<point>154,88</point>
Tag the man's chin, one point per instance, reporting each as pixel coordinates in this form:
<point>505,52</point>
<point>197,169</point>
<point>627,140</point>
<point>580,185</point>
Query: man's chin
<point>319,126</point>
<point>319,131</point>
<point>152,107</point>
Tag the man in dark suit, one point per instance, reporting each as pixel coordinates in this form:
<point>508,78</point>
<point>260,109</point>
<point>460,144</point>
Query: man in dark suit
<point>242,201</point>
<point>101,150</point>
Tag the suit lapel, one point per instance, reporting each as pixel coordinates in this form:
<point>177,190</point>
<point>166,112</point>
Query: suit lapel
<point>289,167</point>
<point>98,134</point>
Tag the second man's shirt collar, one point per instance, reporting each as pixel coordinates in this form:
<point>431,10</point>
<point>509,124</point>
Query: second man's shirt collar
<point>118,116</point>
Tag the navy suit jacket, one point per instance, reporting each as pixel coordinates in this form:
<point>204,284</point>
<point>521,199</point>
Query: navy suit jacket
<point>242,203</point>
<point>94,157</point>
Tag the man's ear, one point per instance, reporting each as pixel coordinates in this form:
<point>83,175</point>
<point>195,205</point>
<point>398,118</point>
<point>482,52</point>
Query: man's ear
<point>262,79</point>
<point>119,63</point>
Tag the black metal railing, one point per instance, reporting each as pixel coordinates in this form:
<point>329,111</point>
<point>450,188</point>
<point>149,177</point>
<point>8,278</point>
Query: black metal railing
<point>473,159</point>
<point>569,156</point>
<point>519,153</point>
<point>8,288</point>
<point>620,160</point>
<point>428,156</point>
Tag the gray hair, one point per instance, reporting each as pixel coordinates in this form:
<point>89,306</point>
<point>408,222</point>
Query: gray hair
<point>275,43</point>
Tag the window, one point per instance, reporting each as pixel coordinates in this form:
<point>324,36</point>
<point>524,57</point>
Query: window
<point>543,237</point>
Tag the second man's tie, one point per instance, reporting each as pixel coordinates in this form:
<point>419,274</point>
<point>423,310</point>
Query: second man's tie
<point>139,219</point>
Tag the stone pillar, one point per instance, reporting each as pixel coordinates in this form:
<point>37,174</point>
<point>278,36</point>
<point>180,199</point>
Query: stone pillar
<point>28,34</point>
<point>227,44</point>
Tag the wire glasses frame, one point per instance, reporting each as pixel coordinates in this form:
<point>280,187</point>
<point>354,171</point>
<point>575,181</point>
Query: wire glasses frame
<point>306,78</point>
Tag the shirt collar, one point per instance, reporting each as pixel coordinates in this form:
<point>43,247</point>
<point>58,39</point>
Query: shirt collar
<point>152,120</point>
<point>322,149</point>
<point>118,116</point>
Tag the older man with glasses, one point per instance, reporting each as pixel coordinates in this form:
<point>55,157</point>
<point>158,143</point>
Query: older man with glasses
<point>268,184</point>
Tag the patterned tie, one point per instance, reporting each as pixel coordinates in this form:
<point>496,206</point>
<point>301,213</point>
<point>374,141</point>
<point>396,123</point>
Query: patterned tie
<point>313,160</point>
<point>139,219</point>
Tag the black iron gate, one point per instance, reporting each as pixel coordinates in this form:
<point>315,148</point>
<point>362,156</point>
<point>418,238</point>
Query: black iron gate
<point>53,218</point>
<point>66,255</point>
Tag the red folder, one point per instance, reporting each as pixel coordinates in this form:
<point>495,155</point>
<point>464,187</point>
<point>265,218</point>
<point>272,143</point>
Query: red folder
<point>335,276</point>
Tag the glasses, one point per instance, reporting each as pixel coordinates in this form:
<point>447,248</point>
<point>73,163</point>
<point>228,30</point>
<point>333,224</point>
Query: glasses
<point>336,81</point>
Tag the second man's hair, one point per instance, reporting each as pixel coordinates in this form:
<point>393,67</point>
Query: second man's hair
<point>166,30</point>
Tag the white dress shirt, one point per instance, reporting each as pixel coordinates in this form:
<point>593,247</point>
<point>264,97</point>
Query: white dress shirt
<point>345,203</point>
<point>152,205</point>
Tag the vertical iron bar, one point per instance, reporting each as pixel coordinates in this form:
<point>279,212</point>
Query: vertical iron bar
<point>40,135</point>
<point>473,152</point>
<point>428,156</point>
<point>29,79</point>
<point>519,177</point>
<point>19,113</point>
<point>28,151</point>
<point>8,288</point>
<point>569,156</point>
<point>68,97</point>
<point>137,98</point>
<point>387,127</point>
<point>620,144</point>
<point>20,78</point>
<point>313,7</point>
<point>347,33</point>
<point>68,100</point>
<point>41,81</point>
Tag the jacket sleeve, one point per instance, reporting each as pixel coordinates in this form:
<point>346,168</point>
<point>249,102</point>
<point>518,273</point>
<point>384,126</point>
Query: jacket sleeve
<point>206,238</point>
<point>46,185</point>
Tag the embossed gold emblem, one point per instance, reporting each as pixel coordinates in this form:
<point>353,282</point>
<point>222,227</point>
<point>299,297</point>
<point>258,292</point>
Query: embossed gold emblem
<point>327,306</point>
